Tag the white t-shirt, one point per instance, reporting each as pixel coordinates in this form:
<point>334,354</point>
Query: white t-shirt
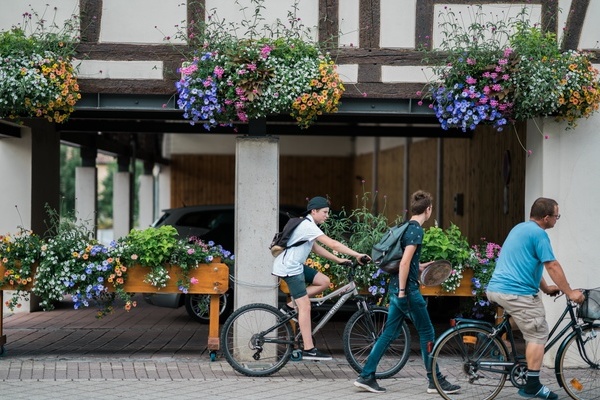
<point>290,262</point>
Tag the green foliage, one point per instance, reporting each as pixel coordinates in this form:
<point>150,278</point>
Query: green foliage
<point>446,244</point>
<point>150,247</point>
<point>360,230</point>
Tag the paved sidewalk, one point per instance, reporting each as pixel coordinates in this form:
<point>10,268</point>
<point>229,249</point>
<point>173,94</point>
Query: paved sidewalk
<point>160,353</point>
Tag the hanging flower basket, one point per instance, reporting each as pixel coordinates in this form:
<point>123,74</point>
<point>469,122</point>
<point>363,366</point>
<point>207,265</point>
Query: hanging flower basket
<point>37,76</point>
<point>226,79</point>
<point>498,72</point>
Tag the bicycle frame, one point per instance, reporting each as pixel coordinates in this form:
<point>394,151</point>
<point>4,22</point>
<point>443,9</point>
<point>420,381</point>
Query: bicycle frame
<point>572,326</point>
<point>346,292</point>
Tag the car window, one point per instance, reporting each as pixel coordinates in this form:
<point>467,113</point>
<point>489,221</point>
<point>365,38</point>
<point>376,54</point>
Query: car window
<point>160,220</point>
<point>199,219</point>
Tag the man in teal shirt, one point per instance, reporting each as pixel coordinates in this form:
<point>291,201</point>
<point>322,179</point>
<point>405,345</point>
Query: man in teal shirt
<point>517,279</point>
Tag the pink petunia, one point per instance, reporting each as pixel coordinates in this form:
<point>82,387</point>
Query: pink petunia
<point>265,51</point>
<point>218,71</point>
<point>193,281</point>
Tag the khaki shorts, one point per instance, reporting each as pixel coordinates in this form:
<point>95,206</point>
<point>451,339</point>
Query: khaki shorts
<point>528,313</point>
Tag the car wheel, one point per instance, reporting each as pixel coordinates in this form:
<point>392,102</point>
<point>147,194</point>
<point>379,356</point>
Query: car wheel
<point>197,306</point>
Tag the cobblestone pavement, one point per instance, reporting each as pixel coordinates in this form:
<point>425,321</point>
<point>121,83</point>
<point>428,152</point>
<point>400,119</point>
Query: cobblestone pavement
<point>160,353</point>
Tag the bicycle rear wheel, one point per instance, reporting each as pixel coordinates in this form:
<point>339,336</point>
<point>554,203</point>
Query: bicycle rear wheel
<point>459,355</point>
<point>579,377</point>
<point>252,344</point>
<point>360,334</point>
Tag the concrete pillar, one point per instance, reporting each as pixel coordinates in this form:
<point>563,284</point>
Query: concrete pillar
<point>163,187</point>
<point>256,218</point>
<point>122,209</point>
<point>86,189</point>
<point>86,194</point>
<point>146,197</point>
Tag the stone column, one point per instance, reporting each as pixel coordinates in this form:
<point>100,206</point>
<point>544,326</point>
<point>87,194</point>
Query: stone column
<point>122,208</point>
<point>256,218</point>
<point>146,196</point>
<point>86,189</point>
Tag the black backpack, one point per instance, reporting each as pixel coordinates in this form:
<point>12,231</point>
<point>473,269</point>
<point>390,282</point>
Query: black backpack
<point>387,253</point>
<point>280,240</point>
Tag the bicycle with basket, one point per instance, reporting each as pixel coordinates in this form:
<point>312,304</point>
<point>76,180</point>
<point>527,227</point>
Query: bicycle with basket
<point>474,355</point>
<point>259,339</point>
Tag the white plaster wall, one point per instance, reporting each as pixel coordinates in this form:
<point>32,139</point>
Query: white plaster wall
<point>398,23</point>
<point>564,167</point>
<point>12,11</point>
<point>106,69</point>
<point>466,13</point>
<point>308,12</point>
<point>348,73</point>
<point>416,74</point>
<point>141,21</point>
<point>590,34</point>
<point>349,23</point>
<point>15,202</point>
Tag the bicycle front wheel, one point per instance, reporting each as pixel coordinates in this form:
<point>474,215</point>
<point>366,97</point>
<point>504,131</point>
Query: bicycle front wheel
<point>465,356</point>
<point>253,344</point>
<point>578,364</point>
<point>361,333</point>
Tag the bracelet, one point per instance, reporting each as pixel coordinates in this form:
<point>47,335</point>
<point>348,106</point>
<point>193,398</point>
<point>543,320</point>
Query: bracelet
<point>402,290</point>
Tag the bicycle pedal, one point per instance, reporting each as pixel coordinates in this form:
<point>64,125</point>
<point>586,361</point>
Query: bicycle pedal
<point>296,355</point>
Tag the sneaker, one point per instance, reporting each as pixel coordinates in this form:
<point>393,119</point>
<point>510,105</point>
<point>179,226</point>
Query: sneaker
<point>446,386</point>
<point>369,384</point>
<point>543,393</point>
<point>314,354</point>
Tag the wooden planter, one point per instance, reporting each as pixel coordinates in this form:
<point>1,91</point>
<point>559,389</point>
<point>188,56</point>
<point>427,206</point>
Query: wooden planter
<point>212,279</point>
<point>464,290</point>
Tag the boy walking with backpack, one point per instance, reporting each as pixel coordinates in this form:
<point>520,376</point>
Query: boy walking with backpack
<point>406,301</point>
<point>289,265</point>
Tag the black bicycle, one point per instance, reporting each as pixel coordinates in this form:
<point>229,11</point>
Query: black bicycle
<point>258,339</point>
<point>473,355</point>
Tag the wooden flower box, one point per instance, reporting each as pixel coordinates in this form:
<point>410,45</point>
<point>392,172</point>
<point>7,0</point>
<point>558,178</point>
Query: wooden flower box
<point>212,278</point>
<point>464,290</point>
